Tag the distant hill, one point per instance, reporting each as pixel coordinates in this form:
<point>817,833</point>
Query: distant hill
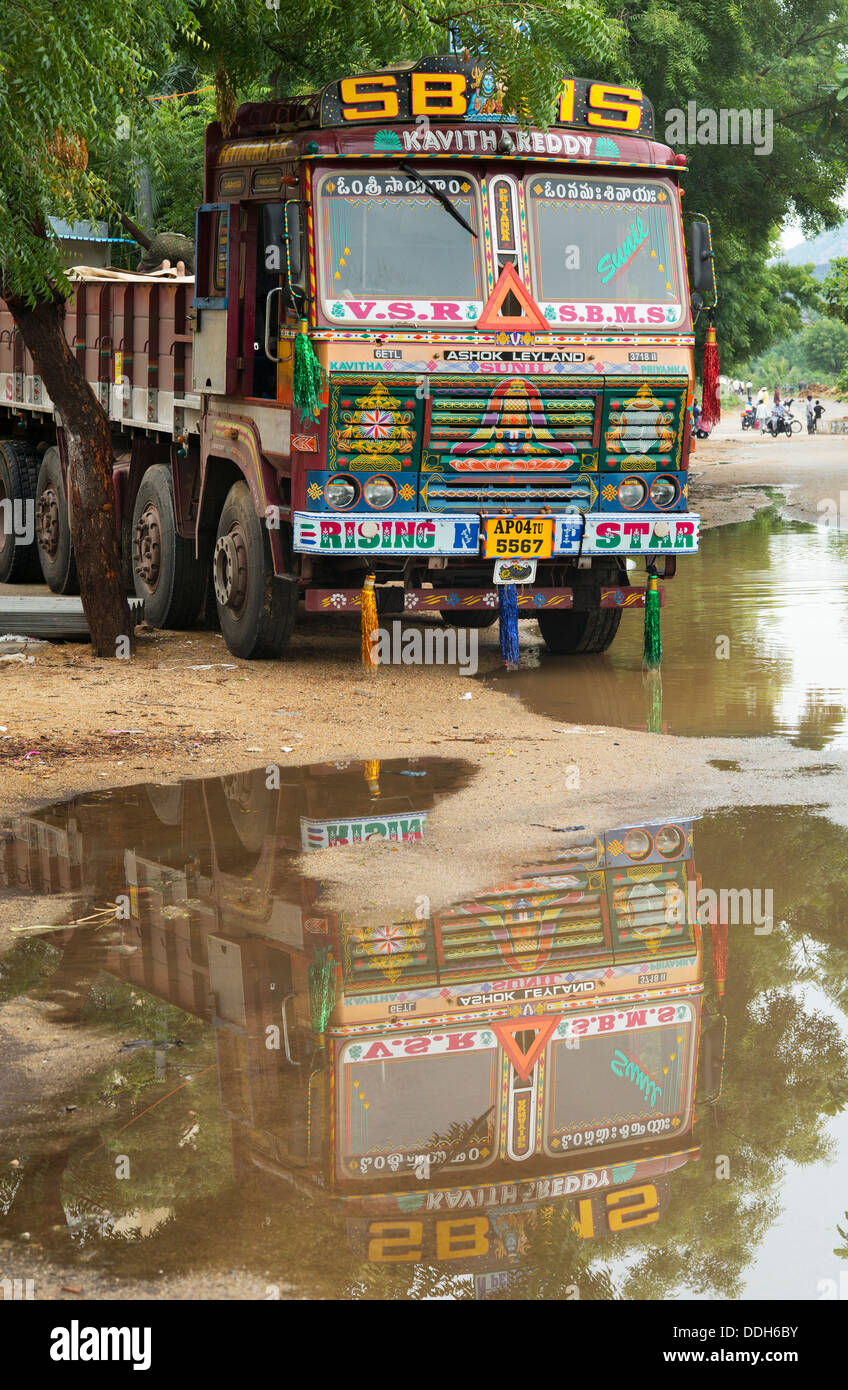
<point>819,251</point>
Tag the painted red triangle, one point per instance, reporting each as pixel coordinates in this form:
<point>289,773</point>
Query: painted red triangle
<point>491,318</point>
<point>524,1062</point>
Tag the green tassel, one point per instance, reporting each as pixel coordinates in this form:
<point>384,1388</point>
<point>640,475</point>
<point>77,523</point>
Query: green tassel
<point>652,654</point>
<point>308,376</point>
<point>652,682</point>
<point>323,987</point>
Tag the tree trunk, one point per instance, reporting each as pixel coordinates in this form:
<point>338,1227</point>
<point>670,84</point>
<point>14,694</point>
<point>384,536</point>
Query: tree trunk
<point>91,500</point>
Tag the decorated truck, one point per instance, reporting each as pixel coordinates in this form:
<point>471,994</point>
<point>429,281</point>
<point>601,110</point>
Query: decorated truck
<point>435,1080</point>
<point>425,349</point>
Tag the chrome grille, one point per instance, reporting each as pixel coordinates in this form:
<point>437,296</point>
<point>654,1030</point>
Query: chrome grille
<point>459,493</point>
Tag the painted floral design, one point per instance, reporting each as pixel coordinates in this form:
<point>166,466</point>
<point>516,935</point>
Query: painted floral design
<point>377,424</point>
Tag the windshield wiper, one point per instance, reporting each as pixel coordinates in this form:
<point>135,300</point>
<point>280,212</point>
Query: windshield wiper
<point>438,195</point>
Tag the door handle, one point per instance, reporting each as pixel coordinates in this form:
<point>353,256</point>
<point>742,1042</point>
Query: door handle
<point>278,289</point>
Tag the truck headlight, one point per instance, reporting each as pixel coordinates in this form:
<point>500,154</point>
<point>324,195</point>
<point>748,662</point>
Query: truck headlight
<point>632,493</point>
<point>340,492</point>
<point>637,844</point>
<point>664,492</point>
<point>670,841</point>
<point>379,492</point>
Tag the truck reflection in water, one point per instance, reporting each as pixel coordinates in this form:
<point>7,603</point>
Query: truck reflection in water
<point>440,1080</point>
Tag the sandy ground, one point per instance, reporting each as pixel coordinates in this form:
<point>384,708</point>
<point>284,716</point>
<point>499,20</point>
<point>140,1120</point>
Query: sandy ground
<point>184,707</point>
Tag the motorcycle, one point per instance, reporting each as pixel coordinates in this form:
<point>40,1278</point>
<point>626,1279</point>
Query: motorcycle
<point>785,424</point>
<point>749,418</point>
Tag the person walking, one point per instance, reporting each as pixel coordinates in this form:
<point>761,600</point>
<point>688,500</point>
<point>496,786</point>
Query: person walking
<point>763,413</point>
<point>819,412</point>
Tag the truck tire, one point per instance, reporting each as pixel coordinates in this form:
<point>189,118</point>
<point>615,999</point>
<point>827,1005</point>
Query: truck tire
<point>256,609</point>
<point>579,634</point>
<point>166,799</point>
<point>18,477</point>
<point>167,577</point>
<point>250,805</point>
<point>53,527</point>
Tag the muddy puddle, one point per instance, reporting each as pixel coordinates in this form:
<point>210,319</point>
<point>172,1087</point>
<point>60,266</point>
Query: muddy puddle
<point>755,642</point>
<point>564,1087</point>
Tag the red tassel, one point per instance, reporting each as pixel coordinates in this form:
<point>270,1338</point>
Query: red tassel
<point>718,943</point>
<point>711,391</point>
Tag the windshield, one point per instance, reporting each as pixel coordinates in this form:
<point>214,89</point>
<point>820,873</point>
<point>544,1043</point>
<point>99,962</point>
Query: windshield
<point>388,250</point>
<point>605,251</point>
<point>621,1077</point>
<point>413,1098</point>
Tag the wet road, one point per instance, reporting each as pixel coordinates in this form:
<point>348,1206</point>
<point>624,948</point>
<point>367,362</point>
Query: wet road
<point>755,642</point>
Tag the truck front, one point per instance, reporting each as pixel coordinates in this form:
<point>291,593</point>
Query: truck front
<point>505,322</point>
<point>535,1043</point>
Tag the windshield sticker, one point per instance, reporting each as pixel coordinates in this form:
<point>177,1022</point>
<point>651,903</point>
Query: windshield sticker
<point>585,191</point>
<point>622,1065</point>
<point>613,263</point>
<point>379,185</point>
<point>465,311</point>
<point>623,1021</point>
<point>616,314</point>
<point>387,1049</point>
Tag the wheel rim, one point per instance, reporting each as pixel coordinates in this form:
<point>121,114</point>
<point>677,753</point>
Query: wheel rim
<point>147,546</point>
<point>230,570</point>
<point>48,522</point>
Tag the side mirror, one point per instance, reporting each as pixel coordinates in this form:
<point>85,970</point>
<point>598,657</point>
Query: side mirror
<point>702,269</point>
<point>294,242</point>
<point>712,1059</point>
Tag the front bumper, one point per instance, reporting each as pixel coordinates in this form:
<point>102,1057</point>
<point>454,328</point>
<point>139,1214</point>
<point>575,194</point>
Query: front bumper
<point>575,534</point>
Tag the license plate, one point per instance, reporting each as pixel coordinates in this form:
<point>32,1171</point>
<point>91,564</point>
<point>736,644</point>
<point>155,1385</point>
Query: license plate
<point>519,537</point>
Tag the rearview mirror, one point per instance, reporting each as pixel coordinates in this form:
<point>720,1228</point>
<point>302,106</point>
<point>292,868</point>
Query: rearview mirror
<point>712,1058</point>
<point>294,242</point>
<point>702,268</point>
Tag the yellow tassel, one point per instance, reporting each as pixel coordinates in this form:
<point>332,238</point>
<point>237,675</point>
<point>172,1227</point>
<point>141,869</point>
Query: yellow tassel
<point>372,776</point>
<point>368,600</point>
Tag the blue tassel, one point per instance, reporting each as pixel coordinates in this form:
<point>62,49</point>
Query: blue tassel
<point>508,614</point>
